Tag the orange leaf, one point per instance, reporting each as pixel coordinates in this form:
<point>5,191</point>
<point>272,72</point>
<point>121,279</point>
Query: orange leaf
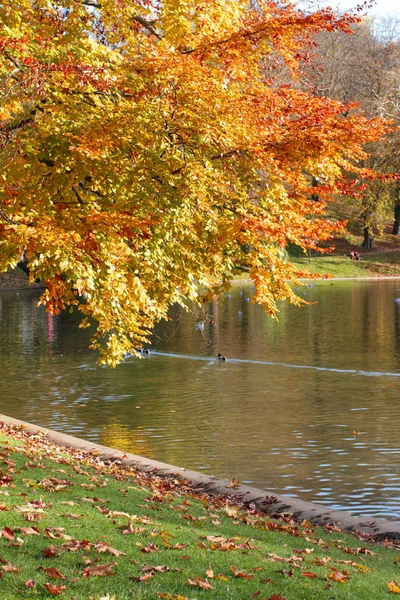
<point>394,587</point>
<point>55,590</point>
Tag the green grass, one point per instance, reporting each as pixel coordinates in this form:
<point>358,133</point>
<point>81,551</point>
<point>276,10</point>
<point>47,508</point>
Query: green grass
<point>370,265</point>
<point>158,539</point>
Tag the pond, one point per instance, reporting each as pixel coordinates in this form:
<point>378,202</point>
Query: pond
<point>308,406</point>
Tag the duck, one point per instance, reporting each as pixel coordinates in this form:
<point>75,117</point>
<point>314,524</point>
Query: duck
<point>221,357</point>
<point>143,350</point>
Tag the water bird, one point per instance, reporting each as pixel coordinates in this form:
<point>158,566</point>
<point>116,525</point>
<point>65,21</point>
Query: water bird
<point>221,357</point>
<point>143,350</point>
<point>200,326</point>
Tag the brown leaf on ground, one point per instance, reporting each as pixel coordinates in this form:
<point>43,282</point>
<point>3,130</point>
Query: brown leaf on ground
<point>340,576</point>
<point>7,533</point>
<point>29,584</point>
<point>99,570</point>
<point>293,560</point>
<point>148,549</point>
<point>359,551</point>
<point>51,552</point>
<point>56,589</point>
<point>203,584</point>
<point>285,572</point>
<point>10,568</point>
<point>101,547</point>
<point>157,569</point>
<point>29,530</point>
<point>308,574</point>
<point>277,597</point>
<point>132,529</point>
<point>143,578</point>
<point>52,572</point>
<point>94,500</point>
<point>234,483</point>
<point>241,574</point>
<point>321,562</point>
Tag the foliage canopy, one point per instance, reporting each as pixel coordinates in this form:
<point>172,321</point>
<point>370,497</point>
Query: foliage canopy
<point>150,149</point>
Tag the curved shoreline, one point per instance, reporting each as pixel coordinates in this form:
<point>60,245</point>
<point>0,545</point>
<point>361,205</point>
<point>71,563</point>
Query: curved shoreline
<point>268,503</point>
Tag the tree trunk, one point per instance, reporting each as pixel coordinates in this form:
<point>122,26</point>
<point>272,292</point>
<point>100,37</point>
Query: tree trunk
<point>368,239</point>
<point>396,224</point>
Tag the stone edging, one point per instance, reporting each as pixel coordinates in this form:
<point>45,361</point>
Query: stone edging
<point>265,502</point>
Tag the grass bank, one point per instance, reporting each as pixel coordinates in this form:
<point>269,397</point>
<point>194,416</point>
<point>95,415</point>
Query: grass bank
<point>75,527</point>
<point>374,264</point>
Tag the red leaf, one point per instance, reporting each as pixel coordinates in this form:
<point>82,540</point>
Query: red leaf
<point>30,584</point>
<point>52,572</point>
<point>7,533</point>
<point>55,590</point>
<point>308,574</point>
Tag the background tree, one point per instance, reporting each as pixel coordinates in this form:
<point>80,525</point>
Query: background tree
<point>365,68</point>
<point>148,150</point>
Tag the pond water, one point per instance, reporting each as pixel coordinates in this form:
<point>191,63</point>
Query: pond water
<point>308,406</point>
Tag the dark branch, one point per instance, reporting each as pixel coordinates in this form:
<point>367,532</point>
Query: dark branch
<point>148,26</point>
<point>225,154</point>
<point>9,221</point>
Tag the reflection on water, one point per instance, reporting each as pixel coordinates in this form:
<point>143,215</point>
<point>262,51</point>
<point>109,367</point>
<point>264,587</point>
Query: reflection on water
<point>306,407</point>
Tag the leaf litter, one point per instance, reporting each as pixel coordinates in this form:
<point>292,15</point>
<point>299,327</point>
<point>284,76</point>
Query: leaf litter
<point>229,550</point>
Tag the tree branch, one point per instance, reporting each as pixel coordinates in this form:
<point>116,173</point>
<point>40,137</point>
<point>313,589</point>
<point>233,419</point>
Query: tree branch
<point>9,221</point>
<point>148,26</point>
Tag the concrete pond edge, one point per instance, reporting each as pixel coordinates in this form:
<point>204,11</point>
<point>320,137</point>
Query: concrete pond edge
<point>264,501</point>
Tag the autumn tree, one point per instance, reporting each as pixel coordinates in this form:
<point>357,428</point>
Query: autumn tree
<point>150,149</point>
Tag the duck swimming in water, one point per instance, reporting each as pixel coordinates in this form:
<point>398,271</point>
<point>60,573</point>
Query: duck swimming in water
<point>221,357</point>
<point>143,350</point>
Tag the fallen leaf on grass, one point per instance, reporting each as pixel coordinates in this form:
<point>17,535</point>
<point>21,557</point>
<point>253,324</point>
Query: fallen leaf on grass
<point>210,573</point>
<point>158,569</point>
<point>132,529</point>
<point>7,533</point>
<point>340,576</point>
<point>101,547</point>
<point>394,587</point>
<point>308,574</point>
<point>321,562</point>
<point>359,551</point>
<point>277,597</point>
<point>286,572</point>
<point>99,570</point>
<point>51,552</point>
<point>29,584</point>
<point>9,568</point>
<point>148,549</point>
<point>143,578</point>
<point>29,530</point>
<point>241,574</point>
<point>203,584</point>
<point>94,500</point>
<point>54,590</point>
<point>52,572</point>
